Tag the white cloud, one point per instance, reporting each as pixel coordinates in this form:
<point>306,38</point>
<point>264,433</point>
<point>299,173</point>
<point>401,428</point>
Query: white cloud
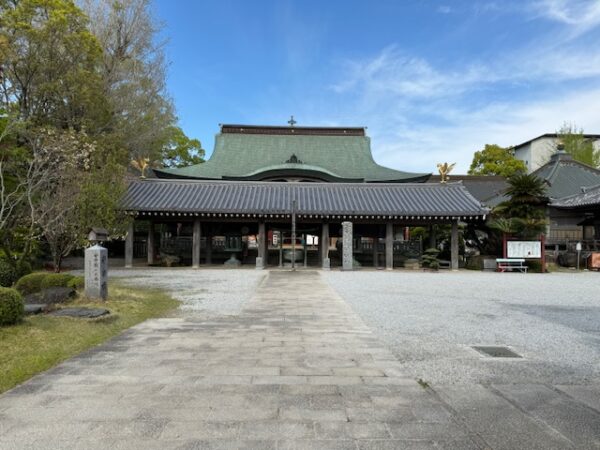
<point>418,146</point>
<point>580,15</point>
<point>419,115</point>
<point>444,9</point>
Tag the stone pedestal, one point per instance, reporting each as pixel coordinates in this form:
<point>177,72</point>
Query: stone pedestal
<point>326,264</point>
<point>129,246</point>
<point>347,260</point>
<point>259,263</point>
<point>96,272</point>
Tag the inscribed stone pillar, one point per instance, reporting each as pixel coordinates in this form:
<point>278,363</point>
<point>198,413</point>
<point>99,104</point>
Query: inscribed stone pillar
<point>325,262</point>
<point>129,246</point>
<point>454,246</point>
<point>196,239</point>
<point>262,241</point>
<point>389,246</point>
<point>96,272</point>
<point>347,246</point>
<point>150,243</point>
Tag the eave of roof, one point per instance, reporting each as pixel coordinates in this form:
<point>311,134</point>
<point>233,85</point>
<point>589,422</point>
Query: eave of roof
<point>590,197</point>
<point>451,200</point>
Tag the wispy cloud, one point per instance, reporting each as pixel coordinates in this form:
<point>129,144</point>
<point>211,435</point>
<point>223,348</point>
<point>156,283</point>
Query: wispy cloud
<point>422,111</point>
<point>580,15</point>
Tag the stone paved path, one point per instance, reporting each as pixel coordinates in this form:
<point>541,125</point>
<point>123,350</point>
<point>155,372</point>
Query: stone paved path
<point>298,369</point>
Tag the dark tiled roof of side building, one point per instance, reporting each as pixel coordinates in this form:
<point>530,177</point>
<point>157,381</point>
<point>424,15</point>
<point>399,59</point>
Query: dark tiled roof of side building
<point>565,176</point>
<point>321,199</point>
<point>488,189</point>
<point>590,197</point>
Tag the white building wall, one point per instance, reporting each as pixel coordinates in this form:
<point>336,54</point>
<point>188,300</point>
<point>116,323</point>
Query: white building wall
<point>538,152</point>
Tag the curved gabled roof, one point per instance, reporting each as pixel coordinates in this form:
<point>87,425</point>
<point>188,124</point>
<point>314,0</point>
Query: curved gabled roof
<point>345,153</point>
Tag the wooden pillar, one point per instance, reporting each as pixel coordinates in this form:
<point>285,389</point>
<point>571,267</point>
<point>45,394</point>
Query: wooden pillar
<point>454,246</point>
<point>196,239</point>
<point>262,246</point>
<point>150,243</point>
<point>375,250</point>
<point>389,246</point>
<point>432,243</point>
<point>129,245</point>
<point>209,244</point>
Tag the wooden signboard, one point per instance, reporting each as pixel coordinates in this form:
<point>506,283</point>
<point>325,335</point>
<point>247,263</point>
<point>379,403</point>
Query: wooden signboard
<point>524,249</point>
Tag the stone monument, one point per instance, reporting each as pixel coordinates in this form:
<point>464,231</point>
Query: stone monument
<point>347,259</point>
<point>96,266</point>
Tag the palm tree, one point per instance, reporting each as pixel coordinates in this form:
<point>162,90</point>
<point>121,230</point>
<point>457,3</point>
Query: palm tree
<point>527,194</point>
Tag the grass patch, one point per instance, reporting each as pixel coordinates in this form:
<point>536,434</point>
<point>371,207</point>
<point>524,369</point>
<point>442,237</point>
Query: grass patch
<point>41,342</point>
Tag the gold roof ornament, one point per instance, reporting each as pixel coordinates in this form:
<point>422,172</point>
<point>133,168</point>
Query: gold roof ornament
<point>141,163</point>
<point>444,170</point>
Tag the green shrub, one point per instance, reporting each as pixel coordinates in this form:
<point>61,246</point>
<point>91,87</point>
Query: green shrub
<point>77,283</point>
<point>24,268</point>
<point>56,280</point>
<point>534,266</point>
<point>12,309</point>
<point>8,274</point>
<point>430,260</point>
<point>31,283</point>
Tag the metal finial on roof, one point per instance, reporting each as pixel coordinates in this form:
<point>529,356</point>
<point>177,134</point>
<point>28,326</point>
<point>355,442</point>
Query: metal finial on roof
<point>292,122</point>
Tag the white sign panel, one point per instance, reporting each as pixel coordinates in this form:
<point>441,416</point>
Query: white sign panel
<point>523,249</point>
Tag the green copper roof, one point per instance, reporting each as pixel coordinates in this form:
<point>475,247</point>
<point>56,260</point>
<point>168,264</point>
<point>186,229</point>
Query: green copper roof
<point>249,155</point>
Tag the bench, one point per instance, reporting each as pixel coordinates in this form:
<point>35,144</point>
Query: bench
<point>510,265</point>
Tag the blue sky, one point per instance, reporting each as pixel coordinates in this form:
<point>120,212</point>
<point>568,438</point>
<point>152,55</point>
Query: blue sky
<point>432,80</point>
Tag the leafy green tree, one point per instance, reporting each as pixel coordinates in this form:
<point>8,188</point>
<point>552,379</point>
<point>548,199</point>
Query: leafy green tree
<point>577,145</point>
<point>50,64</point>
<point>180,150</point>
<point>496,160</point>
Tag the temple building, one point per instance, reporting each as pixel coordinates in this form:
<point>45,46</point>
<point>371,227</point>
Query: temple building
<point>278,196</point>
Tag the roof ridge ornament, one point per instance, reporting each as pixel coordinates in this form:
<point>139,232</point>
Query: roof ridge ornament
<point>294,160</point>
<point>292,122</point>
<point>444,170</point>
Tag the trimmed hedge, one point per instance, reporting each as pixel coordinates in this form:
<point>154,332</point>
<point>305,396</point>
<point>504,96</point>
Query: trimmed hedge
<point>8,274</point>
<point>77,283</point>
<point>31,283</point>
<point>56,280</point>
<point>12,309</point>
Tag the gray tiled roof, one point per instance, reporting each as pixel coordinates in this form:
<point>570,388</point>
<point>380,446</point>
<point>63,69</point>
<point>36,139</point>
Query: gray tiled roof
<point>488,189</point>
<point>566,176</point>
<point>589,198</point>
<point>194,196</point>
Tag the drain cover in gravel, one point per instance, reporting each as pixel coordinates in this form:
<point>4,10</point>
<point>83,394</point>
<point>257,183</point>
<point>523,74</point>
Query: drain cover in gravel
<point>84,313</point>
<point>497,352</point>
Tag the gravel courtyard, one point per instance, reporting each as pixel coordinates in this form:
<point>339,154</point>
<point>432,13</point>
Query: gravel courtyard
<point>430,320</point>
<point>208,291</point>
